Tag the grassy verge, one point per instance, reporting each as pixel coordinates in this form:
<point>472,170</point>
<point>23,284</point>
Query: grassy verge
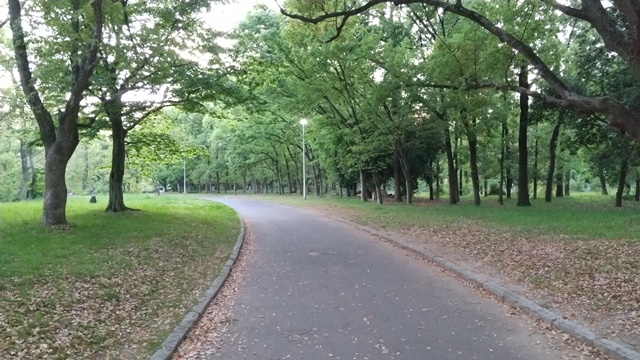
<point>578,255</point>
<point>113,285</point>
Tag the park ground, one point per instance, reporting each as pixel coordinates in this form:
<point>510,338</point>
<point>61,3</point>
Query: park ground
<point>111,285</point>
<point>114,285</point>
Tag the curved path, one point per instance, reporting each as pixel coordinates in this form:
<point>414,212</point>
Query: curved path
<point>318,289</point>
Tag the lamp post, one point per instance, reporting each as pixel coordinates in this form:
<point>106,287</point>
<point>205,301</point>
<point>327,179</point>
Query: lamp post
<point>303,122</point>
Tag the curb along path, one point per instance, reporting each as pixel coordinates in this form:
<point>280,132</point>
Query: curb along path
<point>180,332</point>
<point>608,347</point>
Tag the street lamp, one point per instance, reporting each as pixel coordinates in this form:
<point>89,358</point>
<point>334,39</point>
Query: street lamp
<point>303,122</point>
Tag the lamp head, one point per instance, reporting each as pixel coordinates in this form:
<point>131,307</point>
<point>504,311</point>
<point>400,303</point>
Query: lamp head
<point>303,122</point>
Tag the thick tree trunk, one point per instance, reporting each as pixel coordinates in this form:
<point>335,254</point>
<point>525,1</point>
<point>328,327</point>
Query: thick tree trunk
<point>397,192</point>
<point>523,150</point>
<point>55,187</point>
<point>24,162</point>
<point>118,157</point>
<point>624,166</point>
<point>603,180</point>
<point>363,187</point>
<point>429,180</point>
<point>473,163</point>
<point>453,181</point>
<point>553,144</point>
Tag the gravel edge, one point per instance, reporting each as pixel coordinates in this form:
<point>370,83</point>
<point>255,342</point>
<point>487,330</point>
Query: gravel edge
<point>180,332</point>
<point>608,347</point>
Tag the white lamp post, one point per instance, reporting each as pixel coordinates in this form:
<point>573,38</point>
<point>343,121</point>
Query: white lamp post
<point>303,122</point>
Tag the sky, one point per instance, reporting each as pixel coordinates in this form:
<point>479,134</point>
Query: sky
<point>228,16</point>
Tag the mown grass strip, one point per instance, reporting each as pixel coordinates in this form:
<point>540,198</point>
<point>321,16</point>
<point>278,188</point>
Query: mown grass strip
<point>113,285</point>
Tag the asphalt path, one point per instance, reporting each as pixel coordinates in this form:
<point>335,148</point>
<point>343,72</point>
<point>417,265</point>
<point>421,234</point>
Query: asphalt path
<point>319,289</point>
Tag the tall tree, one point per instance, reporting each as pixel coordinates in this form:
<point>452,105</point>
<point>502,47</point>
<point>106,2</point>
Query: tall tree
<point>61,137</point>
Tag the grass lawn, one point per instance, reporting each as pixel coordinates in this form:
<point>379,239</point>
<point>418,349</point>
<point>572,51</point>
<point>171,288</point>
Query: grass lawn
<point>111,286</point>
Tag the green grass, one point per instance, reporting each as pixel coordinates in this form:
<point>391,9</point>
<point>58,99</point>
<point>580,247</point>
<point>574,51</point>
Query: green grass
<point>581,216</point>
<point>113,284</point>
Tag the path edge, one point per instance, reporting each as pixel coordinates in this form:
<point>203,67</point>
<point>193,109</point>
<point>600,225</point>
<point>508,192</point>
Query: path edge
<point>586,336</point>
<point>180,332</point>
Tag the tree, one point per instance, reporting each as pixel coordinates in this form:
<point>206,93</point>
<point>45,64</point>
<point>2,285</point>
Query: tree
<point>615,24</point>
<point>60,138</point>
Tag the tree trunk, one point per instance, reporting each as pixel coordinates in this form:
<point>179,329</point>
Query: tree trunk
<point>429,180</point>
<point>55,187</point>
<point>486,186</point>
<point>453,182</point>
<point>397,192</point>
<point>559,183</point>
<point>217,182</point>
<point>473,162</point>
<point>118,157</point>
<point>502,155</point>
<point>507,152</point>
<point>31,192</point>
<point>289,183</point>
<point>624,166</point>
<point>24,161</point>
<point>438,179</point>
<point>553,144</point>
<point>637,194</point>
<point>377,191</point>
<point>523,151</point>
<point>408,182</point>
<point>567,182</point>
<point>535,170</point>
<point>603,180</point>
<point>363,187</point>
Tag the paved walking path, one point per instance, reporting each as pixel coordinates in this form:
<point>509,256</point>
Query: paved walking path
<point>319,289</point>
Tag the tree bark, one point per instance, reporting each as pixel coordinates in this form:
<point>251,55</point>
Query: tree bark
<point>453,181</point>
<point>438,179</point>
<point>377,191</point>
<point>363,186</point>
<point>508,174</point>
<point>560,183</point>
<point>637,194</point>
<point>24,161</point>
<point>523,150</point>
<point>397,192</point>
<point>567,182</point>
<point>535,170</point>
<point>473,161</point>
<point>503,135</point>
<point>603,180</point>
<point>31,193</point>
<point>553,144</point>
<point>118,157</point>
<point>624,166</point>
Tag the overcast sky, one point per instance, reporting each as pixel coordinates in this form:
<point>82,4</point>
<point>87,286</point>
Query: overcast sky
<point>226,17</point>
